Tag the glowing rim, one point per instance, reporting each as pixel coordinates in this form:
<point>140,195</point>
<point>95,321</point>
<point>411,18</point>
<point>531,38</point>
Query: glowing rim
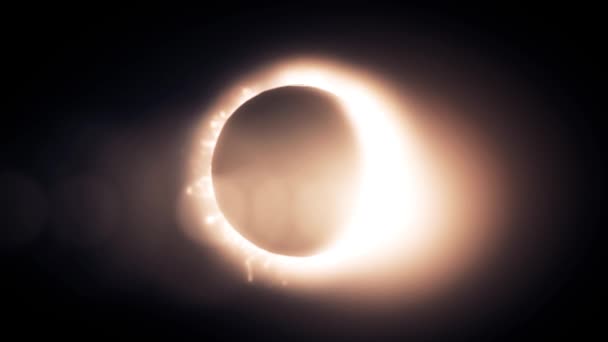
<point>378,220</point>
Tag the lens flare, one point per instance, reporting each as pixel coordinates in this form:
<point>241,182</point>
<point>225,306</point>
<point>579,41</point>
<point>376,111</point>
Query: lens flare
<point>396,228</point>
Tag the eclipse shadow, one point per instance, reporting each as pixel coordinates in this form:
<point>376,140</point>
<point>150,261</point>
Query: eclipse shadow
<point>286,168</point>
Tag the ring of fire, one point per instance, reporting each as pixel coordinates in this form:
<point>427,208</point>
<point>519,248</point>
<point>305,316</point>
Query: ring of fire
<point>394,223</point>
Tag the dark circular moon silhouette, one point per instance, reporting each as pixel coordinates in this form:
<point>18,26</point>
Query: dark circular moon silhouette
<point>286,168</point>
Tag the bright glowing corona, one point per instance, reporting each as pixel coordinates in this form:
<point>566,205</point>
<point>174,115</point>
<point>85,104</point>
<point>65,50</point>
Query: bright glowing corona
<point>394,197</point>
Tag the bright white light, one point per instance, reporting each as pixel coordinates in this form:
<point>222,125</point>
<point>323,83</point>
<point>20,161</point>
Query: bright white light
<point>391,195</point>
<point>398,225</point>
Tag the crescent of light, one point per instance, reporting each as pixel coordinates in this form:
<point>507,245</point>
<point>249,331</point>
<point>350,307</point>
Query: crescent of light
<point>394,196</point>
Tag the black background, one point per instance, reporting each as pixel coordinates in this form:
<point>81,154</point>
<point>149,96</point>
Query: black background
<point>76,76</point>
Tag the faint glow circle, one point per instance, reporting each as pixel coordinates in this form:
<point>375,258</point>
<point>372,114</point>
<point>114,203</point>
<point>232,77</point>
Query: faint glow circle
<point>391,196</point>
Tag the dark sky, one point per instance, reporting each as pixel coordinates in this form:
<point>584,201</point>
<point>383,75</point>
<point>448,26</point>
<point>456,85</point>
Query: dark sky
<point>100,105</point>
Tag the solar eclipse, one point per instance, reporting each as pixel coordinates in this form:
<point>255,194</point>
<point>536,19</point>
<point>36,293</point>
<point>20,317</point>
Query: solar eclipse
<point>302,175</point>
<point>386,211</point>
